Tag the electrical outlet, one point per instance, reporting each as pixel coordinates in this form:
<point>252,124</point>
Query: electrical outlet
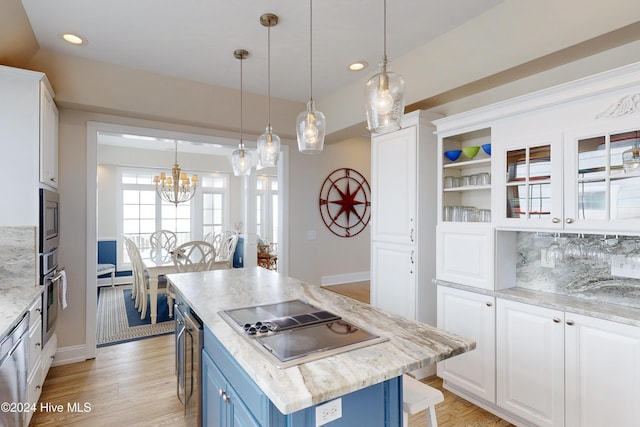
<point>328,412</point>
<point>544,261</point>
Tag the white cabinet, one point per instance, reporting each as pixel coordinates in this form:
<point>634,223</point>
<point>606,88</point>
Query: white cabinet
<point>403,219</point>
<point>34,371</point>
<point>29,129</point>
<point>393,263</point>
<point>471,315</point>
<point>465,254</point>
<point>530,362</point>
<point>602,372</point>
<point>48,138</point>
<point>558,368</point>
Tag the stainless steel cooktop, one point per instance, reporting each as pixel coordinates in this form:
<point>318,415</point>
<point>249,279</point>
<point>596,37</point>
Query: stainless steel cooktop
<point>294,332</point>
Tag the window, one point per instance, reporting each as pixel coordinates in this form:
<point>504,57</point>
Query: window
<point>267,207</point>
<point>143,212</point>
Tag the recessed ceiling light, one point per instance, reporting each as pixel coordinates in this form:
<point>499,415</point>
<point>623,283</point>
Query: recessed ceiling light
<point>358,66</point>
<point>73,38</point>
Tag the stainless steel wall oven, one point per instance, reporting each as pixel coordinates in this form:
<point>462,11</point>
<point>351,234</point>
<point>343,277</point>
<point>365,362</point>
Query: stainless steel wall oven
<point>48,241</point>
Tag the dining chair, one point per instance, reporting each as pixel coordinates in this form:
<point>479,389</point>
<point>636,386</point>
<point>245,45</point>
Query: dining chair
<point>228,243</point>
<point>131,248</point>
<point>196,255</point>
<point>163,239</point>
<point>141,281</point>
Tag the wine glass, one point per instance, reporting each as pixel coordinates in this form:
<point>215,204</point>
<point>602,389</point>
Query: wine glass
<point>554,250</point>
<point>574,248</point>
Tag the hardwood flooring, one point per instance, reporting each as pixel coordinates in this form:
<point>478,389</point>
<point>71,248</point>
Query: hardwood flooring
<point>133,384</point>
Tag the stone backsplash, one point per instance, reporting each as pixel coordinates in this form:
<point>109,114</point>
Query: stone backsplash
<point>18,257</point>
<point>581,266</point>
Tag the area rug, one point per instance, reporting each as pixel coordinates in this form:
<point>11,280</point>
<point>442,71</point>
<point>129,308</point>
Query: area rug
<point>119,321</point>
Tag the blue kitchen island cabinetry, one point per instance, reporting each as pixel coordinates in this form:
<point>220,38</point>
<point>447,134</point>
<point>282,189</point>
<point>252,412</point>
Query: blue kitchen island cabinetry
<point>360,387</point>
<point>231,398</point>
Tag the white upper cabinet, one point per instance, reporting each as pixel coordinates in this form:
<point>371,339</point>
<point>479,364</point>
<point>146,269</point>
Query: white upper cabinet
<point>48,138</point>
<point>393,182</point>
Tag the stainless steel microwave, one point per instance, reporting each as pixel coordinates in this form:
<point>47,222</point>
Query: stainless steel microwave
<point>49,231</point>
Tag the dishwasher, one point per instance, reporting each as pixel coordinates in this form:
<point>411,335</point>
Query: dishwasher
<point>13,373</point>
<point>189,341</point>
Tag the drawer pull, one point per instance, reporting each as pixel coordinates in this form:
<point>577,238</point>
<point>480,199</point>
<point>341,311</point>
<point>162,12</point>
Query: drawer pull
<point>38,344</point>
<point>570,322</point>
<point>489,304</point>
<point>556,320</point>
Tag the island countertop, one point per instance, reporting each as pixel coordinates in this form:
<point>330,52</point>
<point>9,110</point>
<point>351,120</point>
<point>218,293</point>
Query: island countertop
<point>411,344</point>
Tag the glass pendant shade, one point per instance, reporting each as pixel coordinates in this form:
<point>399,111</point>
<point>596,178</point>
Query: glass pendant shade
<point>384,94</point>
<point>268,148</point>
<point>310,128</point>
<point>631,159</point>
<point>241,161</point>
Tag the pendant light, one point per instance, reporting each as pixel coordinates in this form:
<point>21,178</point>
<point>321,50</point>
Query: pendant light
<point>310,124</point>
<point>241,158</point>
<point>268,142</point>
<point>384,95</point>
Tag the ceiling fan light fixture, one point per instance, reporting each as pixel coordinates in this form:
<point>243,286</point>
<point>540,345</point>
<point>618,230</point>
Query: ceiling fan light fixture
<point>384,95</point>
<point>268,143</point>
<point>241,158</point>
<point>310,124</point>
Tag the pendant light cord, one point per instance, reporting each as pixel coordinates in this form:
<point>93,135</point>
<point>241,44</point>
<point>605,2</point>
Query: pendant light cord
<point>241,141</point>
<point>269,74</point>
<point>311,50</point>
<point>384,57</point>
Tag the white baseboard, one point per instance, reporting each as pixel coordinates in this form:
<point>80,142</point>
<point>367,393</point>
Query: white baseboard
<point>71,354</point>
<point>339,279</point>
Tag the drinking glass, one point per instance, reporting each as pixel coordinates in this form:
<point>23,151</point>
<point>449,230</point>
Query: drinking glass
<point>554,250</point>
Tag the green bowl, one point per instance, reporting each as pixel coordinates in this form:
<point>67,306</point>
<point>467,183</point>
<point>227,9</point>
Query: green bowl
<point>471,151</point>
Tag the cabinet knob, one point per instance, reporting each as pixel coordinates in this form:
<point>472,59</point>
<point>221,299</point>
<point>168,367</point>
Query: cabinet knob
<point>569,220</point>
<point>38,309</point>
<point>570,322</point>
<point>555,220</point>
<point>556,320</point>
<point>38,344</point>
<point>489,304</point>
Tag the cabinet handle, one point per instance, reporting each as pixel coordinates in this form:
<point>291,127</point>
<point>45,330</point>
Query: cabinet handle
<point>489,304</point>
<point>38,309</point>
<point>569,220</point>
<point>556,320</point>
<point>555,220</point>
<point>220,392</point>
<point>225,397</point>
<point>38,387</point>
<point>411,257</point>
<point>37,344</point>
<point>411,235</point>
<point>570,322</point>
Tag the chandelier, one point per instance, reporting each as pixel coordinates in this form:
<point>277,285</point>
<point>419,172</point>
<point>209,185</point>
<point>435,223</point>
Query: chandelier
<point>384,94</point>
<point>176,188</point>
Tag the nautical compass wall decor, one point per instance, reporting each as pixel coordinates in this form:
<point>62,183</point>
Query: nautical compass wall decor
<point>345,201</point>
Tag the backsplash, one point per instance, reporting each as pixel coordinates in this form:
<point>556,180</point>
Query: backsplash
<point>579,266</point>
<point>17,257</point>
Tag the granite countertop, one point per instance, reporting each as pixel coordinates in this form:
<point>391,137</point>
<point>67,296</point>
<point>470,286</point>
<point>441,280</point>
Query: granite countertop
<point>14,303</point>
<point>565,302</point>
<point>411,344</point>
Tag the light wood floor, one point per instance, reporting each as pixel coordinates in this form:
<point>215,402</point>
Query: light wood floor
<point>133,384</point>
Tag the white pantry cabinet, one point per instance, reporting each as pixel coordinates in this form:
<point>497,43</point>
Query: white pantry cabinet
<point>403,219</point>
<point>471,315</point>
<point>29,139</point>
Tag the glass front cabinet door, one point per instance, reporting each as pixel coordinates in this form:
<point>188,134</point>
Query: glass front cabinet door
<point>603,177</point>
<point>531,183</point>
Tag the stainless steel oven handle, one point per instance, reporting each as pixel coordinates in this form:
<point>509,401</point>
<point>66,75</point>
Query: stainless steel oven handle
<point>188,333</point>
<point>58,276</point>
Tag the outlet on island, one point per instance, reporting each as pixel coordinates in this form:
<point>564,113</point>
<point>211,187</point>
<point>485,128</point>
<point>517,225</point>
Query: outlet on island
<point>328,412</point>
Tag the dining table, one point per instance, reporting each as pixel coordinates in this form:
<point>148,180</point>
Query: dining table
<point>157,262</point>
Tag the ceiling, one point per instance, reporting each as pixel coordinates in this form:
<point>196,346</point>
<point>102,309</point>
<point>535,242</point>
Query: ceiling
<point>195,39</point>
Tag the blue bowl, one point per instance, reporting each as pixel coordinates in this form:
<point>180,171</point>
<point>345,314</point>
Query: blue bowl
<point>486,148</point>
<point>453,155</point>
